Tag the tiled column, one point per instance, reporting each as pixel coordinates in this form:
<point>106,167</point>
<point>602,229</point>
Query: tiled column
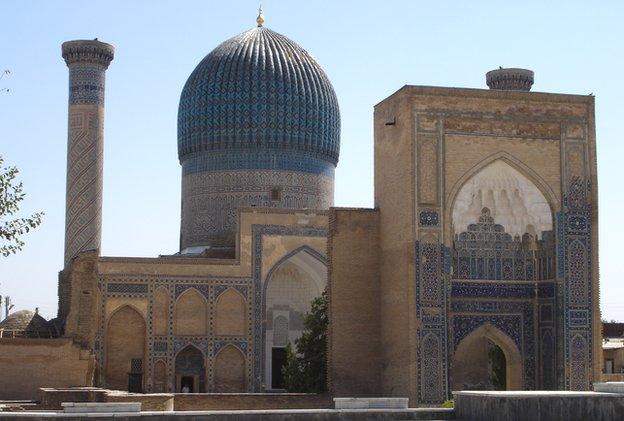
<point>87,62</point>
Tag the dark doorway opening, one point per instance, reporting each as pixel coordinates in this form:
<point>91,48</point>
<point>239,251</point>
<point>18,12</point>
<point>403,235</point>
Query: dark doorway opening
<point>278,361</point>
<point>497,367</point>
<point>190,370</point>
<point>135,382</point>
<point>186,384</point>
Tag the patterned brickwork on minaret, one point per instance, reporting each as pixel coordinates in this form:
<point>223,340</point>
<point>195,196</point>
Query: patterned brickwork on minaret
<point>87,62</point>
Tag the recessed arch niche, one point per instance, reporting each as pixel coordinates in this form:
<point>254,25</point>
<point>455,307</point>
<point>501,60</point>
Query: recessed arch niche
<point>229,367</point>
<point>514,201</point>
<point>125,342</point>
<point>190,314</point>
<point>471,365</point>
<point>190,371</point>
<point>230,314</point>
<point>290,287</point>
<point>502,227</point>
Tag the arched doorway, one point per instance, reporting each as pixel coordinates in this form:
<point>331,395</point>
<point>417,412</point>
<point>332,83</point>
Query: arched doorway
<point>125,350</point>
<point>291,286</point>
<point>190,371</point>
<point>487,359</point>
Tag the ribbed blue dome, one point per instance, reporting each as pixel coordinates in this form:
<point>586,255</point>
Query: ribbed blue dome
<point>258,100</point>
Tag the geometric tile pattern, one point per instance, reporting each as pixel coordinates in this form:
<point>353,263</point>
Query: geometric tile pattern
<point>431,308</point>
<point>486,251</point>
<point>428,218</point>
<point>575,267</point>
<point>259,91</point>
<point>211,199</point>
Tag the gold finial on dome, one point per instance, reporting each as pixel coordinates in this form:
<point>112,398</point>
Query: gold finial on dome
<point>260,18</point>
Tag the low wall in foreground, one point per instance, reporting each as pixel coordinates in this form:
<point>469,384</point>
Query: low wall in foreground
<point>53,398</point>
<point>227,401</point>
<point>538,406</point>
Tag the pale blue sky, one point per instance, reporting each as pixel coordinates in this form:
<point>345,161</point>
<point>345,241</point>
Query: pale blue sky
<point>369,49</point>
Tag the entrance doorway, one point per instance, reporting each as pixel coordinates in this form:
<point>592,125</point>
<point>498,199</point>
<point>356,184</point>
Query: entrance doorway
<point>187,383</point>
<point>497,368</point>
<point>278,362</point>
<point>486,359</point>
<point>190,371</point>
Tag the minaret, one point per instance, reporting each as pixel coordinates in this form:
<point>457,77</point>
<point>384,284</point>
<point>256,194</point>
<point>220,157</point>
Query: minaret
<point>87,61</point>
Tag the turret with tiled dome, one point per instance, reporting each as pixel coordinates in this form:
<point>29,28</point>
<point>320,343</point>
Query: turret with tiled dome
<point>258,125</point>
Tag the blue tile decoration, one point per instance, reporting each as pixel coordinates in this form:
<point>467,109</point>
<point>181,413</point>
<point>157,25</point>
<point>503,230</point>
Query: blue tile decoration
<point>488,290</point>
<point>431,307</point>
<point>574,257</point>
<point>218,345</point>
<point>486,251</point>
<point>257,160</point>
<point>514,318</point>
<point>429,218</point>
<point>203,289</point>
<point>259,91</point>
<point>220,289</point>
<point>160,346</point>
<point>126,288</point>
<point>548,360</point>
<point>86,84</point>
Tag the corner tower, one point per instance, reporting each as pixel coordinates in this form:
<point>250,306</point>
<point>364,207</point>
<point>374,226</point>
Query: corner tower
<point>87,61</point>
<point>258,125</point>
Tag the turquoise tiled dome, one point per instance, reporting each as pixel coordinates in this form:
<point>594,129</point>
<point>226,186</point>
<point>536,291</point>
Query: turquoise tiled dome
<point>258,100</point>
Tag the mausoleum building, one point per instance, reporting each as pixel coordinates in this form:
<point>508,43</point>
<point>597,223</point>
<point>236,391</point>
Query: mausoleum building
<point>477,268</point>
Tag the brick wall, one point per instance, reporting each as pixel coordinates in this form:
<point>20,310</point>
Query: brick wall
<point>26,364</point>
<point>354,344</point>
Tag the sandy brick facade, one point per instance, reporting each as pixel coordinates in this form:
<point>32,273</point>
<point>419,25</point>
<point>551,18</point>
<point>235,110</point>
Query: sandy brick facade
<point>429,144</point>
<point>153,309</point>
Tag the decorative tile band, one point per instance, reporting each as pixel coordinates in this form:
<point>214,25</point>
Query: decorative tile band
<point>127,288</point>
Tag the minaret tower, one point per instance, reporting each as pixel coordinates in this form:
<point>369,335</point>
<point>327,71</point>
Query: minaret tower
<point>87,61</point>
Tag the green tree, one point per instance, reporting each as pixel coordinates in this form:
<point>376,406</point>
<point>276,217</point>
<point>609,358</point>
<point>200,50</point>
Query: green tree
<point>498,374</point>
<point>306,367</point>
<point>11,227</point>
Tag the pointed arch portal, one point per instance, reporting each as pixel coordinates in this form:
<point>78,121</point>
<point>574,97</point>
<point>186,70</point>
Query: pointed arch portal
<point>290,287</point>
<point>190,371</point>
<point>478,357</point>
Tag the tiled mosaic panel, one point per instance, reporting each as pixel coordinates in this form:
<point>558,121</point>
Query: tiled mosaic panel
<point>486,251</point>
<point>575,266</point>
<point>432,265</point>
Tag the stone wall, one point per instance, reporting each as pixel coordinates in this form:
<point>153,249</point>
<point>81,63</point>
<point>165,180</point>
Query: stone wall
<point>27,364</point>
<point>354,332</point>
<point>520,406</point>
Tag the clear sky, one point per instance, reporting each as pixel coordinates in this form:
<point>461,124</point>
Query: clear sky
<point>369,49</point>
